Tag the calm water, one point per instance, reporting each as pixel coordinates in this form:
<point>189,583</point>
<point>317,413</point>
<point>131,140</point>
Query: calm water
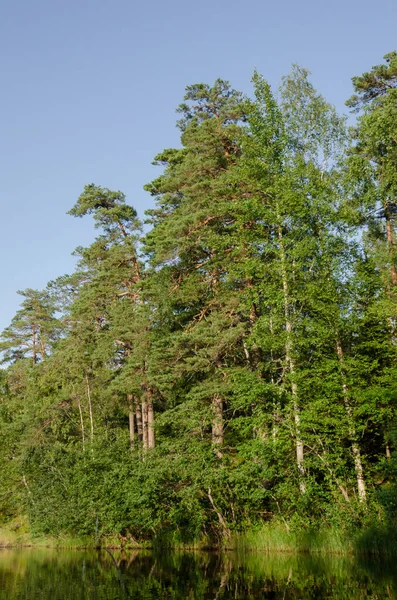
<point>63,575</point>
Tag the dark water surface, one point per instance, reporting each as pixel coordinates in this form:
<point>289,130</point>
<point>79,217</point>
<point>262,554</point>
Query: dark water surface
<point>33,574</point>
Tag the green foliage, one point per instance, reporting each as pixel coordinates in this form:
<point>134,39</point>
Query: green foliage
<point>240,374</point>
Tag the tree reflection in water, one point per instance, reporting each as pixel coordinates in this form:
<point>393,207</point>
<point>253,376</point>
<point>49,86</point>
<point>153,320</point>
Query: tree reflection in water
<point>142,575</point>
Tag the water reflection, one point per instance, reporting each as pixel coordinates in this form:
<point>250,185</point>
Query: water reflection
<point>60,575</point>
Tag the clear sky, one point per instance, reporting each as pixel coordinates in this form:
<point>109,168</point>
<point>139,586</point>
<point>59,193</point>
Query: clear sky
<point>89,89</point>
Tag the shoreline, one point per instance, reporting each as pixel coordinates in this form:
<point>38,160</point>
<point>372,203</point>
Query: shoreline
<point>267,540</point>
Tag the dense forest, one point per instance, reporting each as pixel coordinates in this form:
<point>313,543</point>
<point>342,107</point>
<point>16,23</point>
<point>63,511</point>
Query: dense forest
<point>234,364</point>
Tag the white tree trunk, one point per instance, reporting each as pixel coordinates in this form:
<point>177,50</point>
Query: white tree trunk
<point>358,465</point>
<point>90,409</point>
<point>217,424</point>
<point>291,368</point>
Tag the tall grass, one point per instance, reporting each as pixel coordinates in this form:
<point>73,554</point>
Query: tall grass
<point>274,537</point>
<point>269,537</point>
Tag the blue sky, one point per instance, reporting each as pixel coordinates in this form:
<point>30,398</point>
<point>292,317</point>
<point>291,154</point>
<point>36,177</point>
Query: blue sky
<point>89,90</point>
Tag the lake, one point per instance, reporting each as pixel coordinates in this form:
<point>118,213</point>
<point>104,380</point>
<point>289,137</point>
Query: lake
<point>42,574</point>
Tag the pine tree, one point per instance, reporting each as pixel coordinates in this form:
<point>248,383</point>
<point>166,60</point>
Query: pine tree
<point>192,241</point>
<point>34,329</point>
<point>110,304</point>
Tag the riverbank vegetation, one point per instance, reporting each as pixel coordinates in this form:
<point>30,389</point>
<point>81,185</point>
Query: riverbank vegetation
<point>233,369</point>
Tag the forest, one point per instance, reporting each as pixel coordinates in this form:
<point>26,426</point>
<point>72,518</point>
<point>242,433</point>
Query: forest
<point>230,364</point>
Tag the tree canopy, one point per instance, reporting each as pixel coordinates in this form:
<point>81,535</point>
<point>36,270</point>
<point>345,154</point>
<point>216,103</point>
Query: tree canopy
<point>234,364</point>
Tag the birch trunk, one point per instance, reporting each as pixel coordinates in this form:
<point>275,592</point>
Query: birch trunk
<point>291,368</point>
<point>388,453</point>
<point>90,408</point>
<point>393,277</point>
<point>358,465</point>
<point>276,404</point>
<point>217,423</point>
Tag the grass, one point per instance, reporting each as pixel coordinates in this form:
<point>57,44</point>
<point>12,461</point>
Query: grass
<point>377,539</point>
<point>272,537</point>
